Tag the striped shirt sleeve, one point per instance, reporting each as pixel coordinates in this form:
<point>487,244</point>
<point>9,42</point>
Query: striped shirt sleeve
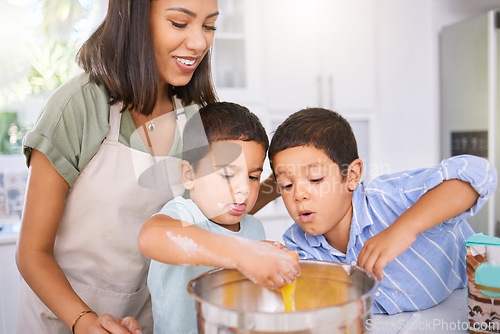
<point>407,187</point>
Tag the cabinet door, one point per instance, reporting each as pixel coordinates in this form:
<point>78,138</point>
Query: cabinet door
<point>236,51</point>
<point>10,281</point>
<point>292,54</point>
<point>349,56</point>
<point>319,53</point>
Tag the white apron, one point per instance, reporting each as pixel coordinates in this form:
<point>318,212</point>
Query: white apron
<point>96,243</point>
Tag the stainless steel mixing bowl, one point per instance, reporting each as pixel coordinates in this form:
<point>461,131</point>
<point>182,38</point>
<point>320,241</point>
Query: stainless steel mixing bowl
<point>329,298</point>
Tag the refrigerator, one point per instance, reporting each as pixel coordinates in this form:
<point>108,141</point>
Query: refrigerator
<point>469,99</point>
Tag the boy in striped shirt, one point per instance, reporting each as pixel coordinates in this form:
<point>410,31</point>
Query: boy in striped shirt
<point>408,228</point>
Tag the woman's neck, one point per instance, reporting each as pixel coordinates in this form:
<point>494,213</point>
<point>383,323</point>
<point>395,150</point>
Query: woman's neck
<point>162,107</point>
<point>157,130</point>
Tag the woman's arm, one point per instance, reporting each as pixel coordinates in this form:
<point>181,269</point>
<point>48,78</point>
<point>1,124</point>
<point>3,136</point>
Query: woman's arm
<point>166,240</point>
<point>46,194</point>
<point>445,201</point>
<point>268,192</point>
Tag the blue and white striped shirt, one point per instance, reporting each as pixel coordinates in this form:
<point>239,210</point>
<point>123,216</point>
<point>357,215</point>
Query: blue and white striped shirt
<point>434,265</point>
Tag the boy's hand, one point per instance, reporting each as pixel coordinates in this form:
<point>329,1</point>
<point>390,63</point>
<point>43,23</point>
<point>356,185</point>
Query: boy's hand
<point>275,244</point>
<point>267,264</point>
<point>384,247</point>
<point>433,208</point>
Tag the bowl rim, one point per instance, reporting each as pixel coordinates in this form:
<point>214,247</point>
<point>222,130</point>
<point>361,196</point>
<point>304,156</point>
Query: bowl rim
<point>337,264</point>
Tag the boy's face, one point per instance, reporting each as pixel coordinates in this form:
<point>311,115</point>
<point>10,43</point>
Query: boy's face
<point>226,182</point>
<point>313,191</point>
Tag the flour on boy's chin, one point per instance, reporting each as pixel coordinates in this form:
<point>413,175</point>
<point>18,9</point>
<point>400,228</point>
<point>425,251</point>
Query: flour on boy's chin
<point>309,230</point>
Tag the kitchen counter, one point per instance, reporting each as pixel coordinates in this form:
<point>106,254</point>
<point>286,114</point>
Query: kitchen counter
<point>450,316</point>
<point>10,279</point>
<point>9,232</point>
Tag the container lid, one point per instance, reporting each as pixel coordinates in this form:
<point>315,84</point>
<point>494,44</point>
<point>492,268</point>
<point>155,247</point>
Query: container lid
<point>481,239</point>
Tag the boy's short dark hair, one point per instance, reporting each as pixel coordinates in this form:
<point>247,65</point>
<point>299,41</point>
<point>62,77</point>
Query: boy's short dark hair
<point>220,121</point>
<point>321,128</point>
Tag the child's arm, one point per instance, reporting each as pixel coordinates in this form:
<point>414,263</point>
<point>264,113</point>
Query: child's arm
<point>445,201</point>
<point>268,192</point>
<point>166,240</point>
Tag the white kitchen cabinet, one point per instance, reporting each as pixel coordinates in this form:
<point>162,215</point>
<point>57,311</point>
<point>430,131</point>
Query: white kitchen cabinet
<point>10,281</point>
<point>319,53</point>
<point>237,52</point>
<point>279,56</point>
<point>284,55</point>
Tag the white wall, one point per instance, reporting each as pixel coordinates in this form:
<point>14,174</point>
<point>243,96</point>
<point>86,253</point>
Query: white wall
<point>406,120</point>
<point>406,123</point>
<point>447,12</point>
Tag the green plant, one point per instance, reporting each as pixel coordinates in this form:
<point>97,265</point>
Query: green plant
<point>53,59</point>
<point>51,65</point>
<point>53,44</point>
<point>61,15</point>
<point>11,133</point>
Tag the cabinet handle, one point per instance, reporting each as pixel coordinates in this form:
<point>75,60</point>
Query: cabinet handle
<point>320,90</point>
<point>330,91</point>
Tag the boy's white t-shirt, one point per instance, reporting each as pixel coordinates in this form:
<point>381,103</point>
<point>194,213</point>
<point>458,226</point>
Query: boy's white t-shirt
<point>173,308</point>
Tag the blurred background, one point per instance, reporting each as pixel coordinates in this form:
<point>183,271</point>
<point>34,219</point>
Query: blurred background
<point>377,62</point>
<point>417,79</point>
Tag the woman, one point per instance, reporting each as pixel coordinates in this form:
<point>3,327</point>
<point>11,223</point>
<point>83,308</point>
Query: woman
<point>78,249</point>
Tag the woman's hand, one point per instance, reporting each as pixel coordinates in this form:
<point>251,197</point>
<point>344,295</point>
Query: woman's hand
<point>106,323</point>
<point>384,247</point>
<point>267,264</point>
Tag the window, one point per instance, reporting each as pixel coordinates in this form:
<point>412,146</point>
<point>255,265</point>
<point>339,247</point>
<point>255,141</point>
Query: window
<point>40,39</point>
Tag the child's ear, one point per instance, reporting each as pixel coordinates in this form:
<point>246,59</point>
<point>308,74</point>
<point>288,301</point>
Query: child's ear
<point>187,174</point>
<point>354,174</point>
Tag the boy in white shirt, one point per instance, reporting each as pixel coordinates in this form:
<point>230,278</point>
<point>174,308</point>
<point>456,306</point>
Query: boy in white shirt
<point>221,169</point>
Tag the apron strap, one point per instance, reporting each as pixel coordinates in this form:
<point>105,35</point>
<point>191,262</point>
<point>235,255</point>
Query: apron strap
<point>180,116</point>
<point>114,121</point>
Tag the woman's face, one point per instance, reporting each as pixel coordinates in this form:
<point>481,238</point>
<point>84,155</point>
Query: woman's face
<point>182,32</point>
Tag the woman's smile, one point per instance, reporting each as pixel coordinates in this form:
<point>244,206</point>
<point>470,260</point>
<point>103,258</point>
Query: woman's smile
<point>187,64</point>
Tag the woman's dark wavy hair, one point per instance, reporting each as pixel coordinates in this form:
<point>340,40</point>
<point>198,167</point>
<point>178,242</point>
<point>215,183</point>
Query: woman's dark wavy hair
<point>120,56</point>
<point>320,128</point>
